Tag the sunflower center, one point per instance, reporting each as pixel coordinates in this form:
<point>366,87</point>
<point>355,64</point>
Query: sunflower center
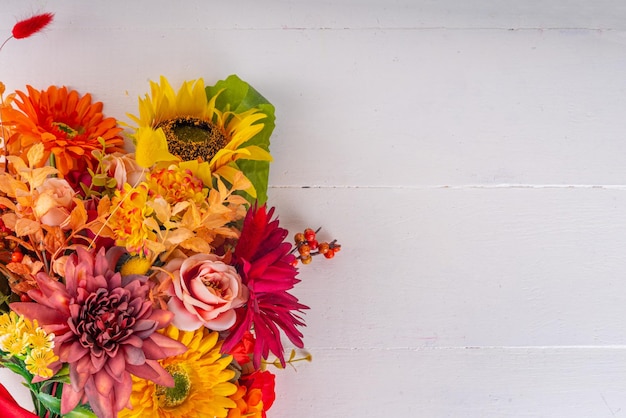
<point>174,396</point>
<point>191,138</point>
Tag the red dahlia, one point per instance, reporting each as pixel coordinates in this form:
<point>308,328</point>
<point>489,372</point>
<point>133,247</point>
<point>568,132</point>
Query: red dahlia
<point>263,260</point>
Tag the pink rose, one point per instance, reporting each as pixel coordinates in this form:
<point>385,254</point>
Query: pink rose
<point>54,201</point>
<point>123,168</point>
<point>204,291</point>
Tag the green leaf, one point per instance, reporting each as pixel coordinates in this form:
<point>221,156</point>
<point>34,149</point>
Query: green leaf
<point>238,96</point>
<point>19,368</point>
<point>51,403</point>
<point>80,412</point>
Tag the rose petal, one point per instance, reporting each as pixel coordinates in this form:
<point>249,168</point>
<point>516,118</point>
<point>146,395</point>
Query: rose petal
<point>183,319</point>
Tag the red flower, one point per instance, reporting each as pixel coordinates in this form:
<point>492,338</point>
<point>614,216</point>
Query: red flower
<point>32,25</point>
<point>243,349</point>
<point>265,382</point>
<point>10,408</point>
<point>263,260</point>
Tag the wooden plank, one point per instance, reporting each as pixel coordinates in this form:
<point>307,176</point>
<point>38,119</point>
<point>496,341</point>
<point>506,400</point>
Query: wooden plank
<point>474,383</point>
<point>462,267</point>
<point>303,14</point>
<point>382,107</point>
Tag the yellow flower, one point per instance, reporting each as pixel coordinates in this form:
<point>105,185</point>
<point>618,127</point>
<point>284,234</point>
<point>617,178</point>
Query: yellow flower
<point>38,360</point>
<point>40,339</point>
<point>13,340</point>
<point>176,184</point>
<point>15,344</point>
<point>19,336</point>
<point>187,125</point>
<point>201,381</point>
<point>135,264</point>
<point>10,323</point>
<point>128,217</point>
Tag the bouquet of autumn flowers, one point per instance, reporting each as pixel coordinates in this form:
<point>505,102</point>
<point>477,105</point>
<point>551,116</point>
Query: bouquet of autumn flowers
<point>155,283</point>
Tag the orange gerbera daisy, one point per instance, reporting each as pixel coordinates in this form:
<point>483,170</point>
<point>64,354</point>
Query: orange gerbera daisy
<point>67,124</point>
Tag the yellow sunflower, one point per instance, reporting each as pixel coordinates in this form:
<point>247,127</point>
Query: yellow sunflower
<point>201,379</point>
<point>187,125</point>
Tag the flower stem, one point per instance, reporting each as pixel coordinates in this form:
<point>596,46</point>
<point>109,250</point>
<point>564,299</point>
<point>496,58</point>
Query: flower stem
<point>5,41</point>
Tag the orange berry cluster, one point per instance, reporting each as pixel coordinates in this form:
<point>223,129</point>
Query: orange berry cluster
<point>308,246</point>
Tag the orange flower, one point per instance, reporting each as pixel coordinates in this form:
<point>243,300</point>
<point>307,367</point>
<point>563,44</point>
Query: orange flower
<point>176,184</point>
<point>128,221</point>
<point>67,124</point>
<point>249,403</point>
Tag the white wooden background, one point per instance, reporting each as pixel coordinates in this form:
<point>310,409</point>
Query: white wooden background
<point>469,155</point>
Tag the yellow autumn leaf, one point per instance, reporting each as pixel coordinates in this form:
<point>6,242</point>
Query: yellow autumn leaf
<point>197,245</point>
<point>191,219</point>
<point>9,185</point>
<point>35,155</point>
<point>16,162</point>
<point>230,173</point>
<point>152,224</point>
<point>240,181</point>
<point>104,206</point>
<point>7,203</point>
<point>9,219</point>
<point>180,207</point>
<point>43,204</point>
<point>177,236</point>
<point>154,247</point>
<point>78,216</point>
<point>25,226</point>
<point>38,175</point>
<point>24,198</point>
<point>161,209</point>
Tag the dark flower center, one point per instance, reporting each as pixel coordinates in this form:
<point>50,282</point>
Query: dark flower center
<point>174,396</point>
<point>68,130</point>
<point>105,320</point>
<point>191,138</point>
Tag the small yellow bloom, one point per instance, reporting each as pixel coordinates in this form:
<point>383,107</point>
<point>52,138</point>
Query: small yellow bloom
<point>39,339</point>
<point>38,362</point>
<point>136,264</point>
<point>10,322</point>
<point>12,337</point>
<point>15,344</point>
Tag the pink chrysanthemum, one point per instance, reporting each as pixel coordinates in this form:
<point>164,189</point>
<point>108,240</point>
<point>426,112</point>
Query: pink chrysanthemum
<point>104,326</point>
<point>264,262</point>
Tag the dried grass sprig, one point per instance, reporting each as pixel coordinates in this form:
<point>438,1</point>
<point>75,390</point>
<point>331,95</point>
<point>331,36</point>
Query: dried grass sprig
<point>29,26</point>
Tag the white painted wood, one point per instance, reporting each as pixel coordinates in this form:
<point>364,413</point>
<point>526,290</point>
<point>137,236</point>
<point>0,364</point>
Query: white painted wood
<point>447,106</point>
<point>468,155</point>
<point>463,267</point>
